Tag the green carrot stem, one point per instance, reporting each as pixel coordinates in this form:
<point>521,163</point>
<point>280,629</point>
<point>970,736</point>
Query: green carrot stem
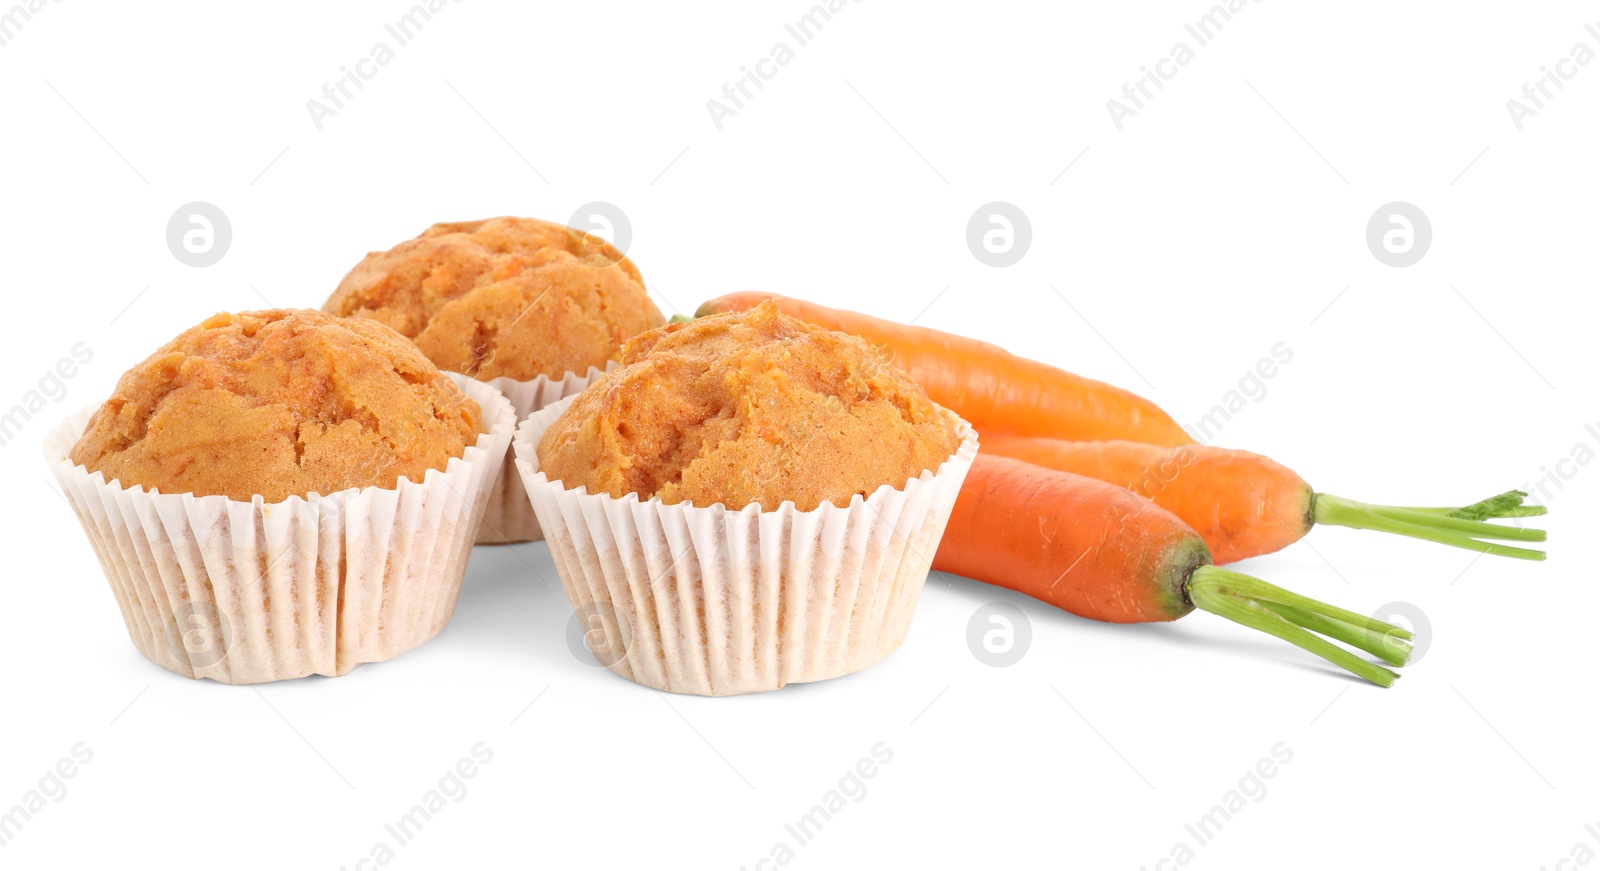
<point>1387,647</point>
<point>680,319</point>
<point>1500,505</point>
<point>1440,526</point>
<point>1213,589</point>
<point>1233,583</point>
<point>1425,533</point>
<point>1518,511</point>
<point>1507,504</point>
<point>1475,528</point>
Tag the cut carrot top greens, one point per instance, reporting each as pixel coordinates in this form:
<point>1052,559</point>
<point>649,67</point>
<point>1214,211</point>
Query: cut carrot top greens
<point>1457,527</point>
<point>1100,551</point>
<point>1300,621</point>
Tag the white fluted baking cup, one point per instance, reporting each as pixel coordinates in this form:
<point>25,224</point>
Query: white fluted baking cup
<point>716,602</point>
<point>508,517</point>
<point>249,592</point>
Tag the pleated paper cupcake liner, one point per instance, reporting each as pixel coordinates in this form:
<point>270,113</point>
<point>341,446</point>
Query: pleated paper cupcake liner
<point>250,592</point>
<point>508,517</point>
<point>717,602</point>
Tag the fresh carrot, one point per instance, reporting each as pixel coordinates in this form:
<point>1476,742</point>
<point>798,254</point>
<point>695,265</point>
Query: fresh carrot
<point>995,390</point>
<point>1245,505</point>
<point>1102,552</point>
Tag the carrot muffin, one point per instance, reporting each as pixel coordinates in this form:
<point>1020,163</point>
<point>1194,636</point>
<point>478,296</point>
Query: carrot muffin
<point>506,297</point>
<point>536,309</point>
<point>747,501</point>
<point>278,404</point>
<point>753,408</point>
<point>281,493</point>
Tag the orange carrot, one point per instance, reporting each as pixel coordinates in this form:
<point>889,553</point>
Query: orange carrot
<point>995,390</point>
<point>1242,504</point>
<point>1245,505</point>
<point>1102,552</point>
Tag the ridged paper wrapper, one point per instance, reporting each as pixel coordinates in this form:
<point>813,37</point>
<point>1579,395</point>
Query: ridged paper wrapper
<point>508,518</point>
<point>250,592</point>
<point>716,602</point>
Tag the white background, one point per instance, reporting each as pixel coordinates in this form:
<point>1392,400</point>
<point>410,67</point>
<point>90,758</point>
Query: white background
<point>1222,219</point>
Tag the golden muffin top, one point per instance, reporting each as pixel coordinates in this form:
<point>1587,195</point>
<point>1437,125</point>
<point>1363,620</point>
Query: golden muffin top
<point>512,297</point>
<point>279,403</point>
<point>751,407</point>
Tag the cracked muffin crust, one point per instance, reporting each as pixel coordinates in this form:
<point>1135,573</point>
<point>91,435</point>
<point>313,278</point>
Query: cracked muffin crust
<point>279,403</point>
<point>742,408</point>
<point>512,297</point>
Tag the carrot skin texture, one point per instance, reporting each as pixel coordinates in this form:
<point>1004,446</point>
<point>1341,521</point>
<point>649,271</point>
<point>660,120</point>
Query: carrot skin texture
<point>995,390</point>
<point>1242,504</point>
<point>1082,545</point>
